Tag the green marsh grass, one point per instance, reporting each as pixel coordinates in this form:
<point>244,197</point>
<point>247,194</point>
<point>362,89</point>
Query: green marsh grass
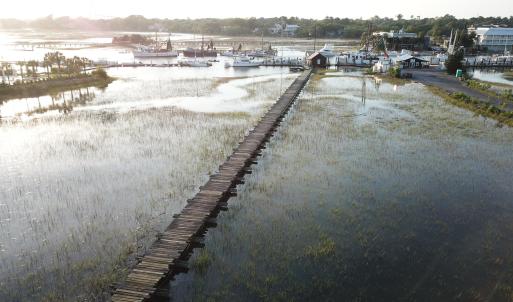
<point>402,197</point>
<point>82,194</point>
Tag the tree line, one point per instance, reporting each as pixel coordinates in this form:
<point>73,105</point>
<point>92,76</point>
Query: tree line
<point>54,64</point>
<point>329,27</point>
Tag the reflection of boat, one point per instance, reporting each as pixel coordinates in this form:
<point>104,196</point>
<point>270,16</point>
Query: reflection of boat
<point>243,62</point>
<point>194,63</point>
<point>155,51</point>
<point>296,68</point>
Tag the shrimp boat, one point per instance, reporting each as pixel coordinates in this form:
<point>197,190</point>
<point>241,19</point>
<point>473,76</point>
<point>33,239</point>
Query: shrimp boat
<point>242,62</point>
<point>156,51</point>
<point>261,53</point>
<point>209,52</point>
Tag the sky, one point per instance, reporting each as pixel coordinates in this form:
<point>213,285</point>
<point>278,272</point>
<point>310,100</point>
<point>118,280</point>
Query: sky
<point>30,9</point>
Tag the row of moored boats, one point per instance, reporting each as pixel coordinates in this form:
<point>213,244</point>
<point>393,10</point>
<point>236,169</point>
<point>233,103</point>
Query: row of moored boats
<point>203,57</point>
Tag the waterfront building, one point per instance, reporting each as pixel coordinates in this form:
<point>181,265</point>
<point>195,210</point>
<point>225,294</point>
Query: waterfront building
<point>495,39</point>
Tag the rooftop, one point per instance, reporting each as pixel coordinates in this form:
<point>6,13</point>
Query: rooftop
<point>494,31</point>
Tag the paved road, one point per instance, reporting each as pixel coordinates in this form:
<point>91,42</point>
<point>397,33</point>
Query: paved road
<point>451,84</point>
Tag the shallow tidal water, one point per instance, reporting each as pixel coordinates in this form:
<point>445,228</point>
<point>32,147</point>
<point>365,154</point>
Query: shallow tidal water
<point>396,196</point>
<point>492,76</point>
<point>88,177</point>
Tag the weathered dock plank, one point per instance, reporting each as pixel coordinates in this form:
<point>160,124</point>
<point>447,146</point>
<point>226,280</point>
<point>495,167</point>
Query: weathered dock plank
<point>166,256</point>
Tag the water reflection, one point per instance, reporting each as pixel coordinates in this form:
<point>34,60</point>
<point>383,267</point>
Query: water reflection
<point>59,103</point>
<point>499,76</point>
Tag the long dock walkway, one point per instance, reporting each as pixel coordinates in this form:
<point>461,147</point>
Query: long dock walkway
<point>167,256</point>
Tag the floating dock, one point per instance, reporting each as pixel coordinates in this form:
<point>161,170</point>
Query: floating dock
<point>168,255</point>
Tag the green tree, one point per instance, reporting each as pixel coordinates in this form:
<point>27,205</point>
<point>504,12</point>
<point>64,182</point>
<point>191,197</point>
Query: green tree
<point>33,64</point>
<point>21,64</point>
<point>454,62</point>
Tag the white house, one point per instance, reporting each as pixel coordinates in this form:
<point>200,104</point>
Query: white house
<point>396,34</point>
<point>290,30</point>
<point>276,29</point>
<point>495,38</point>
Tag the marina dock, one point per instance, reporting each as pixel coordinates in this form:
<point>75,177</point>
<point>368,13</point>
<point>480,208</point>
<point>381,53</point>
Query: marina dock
<point>169,253</point>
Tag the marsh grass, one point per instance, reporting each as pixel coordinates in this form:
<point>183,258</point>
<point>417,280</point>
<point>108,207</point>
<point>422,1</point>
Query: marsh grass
<point>407,202</point>
<point>499,114</point>
<point>83,194</point>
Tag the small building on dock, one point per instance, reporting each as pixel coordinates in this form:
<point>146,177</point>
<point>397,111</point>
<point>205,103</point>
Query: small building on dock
<point>317,60</point>
<point>410,62</point>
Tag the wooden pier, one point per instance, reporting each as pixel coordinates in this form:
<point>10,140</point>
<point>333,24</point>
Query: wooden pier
<point>168,255</point>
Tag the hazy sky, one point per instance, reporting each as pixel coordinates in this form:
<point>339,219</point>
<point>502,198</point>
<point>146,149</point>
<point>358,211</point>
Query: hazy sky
<point>28,9</point>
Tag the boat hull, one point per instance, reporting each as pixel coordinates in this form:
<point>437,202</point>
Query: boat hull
<point>199,53</point>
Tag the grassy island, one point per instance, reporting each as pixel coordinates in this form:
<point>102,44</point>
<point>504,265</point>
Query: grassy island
<point>60,74</point>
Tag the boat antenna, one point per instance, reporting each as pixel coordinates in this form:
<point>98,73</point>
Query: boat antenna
<point>262,40</point>
<point>169,46</point>
<point>281,69</point>
<point>315,36</point>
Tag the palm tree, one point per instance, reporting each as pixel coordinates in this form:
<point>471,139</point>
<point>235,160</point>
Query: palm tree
<point>21,64</point>
<point>85,62</point>
<point>77,65</point>
<point>33,64</point>
<point>47,65</point>
<point>48,61</point>
<point>7,71</point>
<point>59,59</point>
<point>3,73</point>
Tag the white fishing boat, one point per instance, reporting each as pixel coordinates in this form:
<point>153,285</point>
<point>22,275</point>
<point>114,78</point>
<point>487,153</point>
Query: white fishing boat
<point>156,51</point>
<point>257,53</point>
<point>327,51</point>
<point>154,54</point>
<point>243,62</point>
<point>354,59</point>
<point>229,53</point>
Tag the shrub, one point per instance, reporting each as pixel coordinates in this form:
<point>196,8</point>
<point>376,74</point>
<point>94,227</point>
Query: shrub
<point>100,73</point>
<point>507,95</point>
<point>462,97</point>
<point>478,85</point>
<point>395,72</point>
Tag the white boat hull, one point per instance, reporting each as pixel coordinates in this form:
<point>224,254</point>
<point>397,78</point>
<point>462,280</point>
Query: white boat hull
<point>243,64</point>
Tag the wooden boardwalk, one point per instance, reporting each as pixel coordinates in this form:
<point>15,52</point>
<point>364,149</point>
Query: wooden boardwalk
<point>167,256</point>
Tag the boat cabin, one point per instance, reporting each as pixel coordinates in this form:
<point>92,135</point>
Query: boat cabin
<point>410,62</point>
<point>317,60</point>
